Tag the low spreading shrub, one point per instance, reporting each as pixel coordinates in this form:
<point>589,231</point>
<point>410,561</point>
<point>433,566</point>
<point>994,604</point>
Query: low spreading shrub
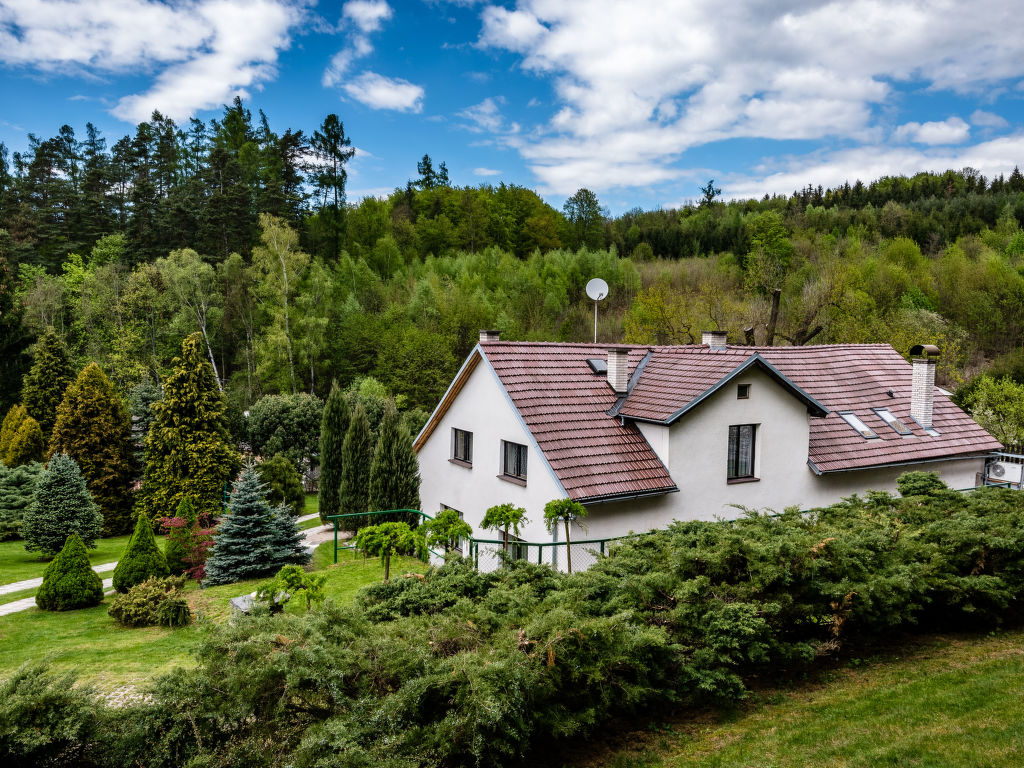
<point>154,602</point>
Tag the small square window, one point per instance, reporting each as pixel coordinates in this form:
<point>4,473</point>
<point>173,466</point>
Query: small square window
<point>462,446</point>
<point>513,460</point>
<point>742,391</point>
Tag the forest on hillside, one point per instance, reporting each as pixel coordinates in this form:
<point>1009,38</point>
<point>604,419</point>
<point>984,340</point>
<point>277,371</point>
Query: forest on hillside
<point>243,233</point>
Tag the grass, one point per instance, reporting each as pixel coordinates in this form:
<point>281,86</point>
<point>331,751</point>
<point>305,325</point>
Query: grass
<point>92,644</point>
<point>948,703</point>
<point>17,565</point>
<point>312,506</point>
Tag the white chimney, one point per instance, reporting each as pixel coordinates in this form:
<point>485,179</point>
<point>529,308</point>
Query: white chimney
<point>716,340</point>
<point>490,336</point>
<point>618,370</point>
<point>922,393</point>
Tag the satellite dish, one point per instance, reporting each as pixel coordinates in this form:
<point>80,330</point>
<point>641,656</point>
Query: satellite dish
<point>597,289</point>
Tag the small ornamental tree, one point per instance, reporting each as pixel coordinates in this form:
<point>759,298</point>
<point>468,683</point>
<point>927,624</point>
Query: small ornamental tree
<point>188,449</point>
<point>180,531</point>
<point>504,518</point>
<point>17,489</point>
<point>27,444</point>
<point>446,530</point>
<point>62,506</point>
<point>142,558</point>
<point>69,581</point>
<point>333,428</point>
<point>356,456</point>
<point>290,581</point>
<point>42,389</point>
<point>385,540</point>
<point>13,420</point>
<point>564,511</point>
<point>93,428</point>
<point>394,472</point>
<point>284,483</point>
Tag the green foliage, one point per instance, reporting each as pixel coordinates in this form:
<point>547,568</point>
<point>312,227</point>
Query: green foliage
<point>920,484</point>
<point>69,581</point>
<point>26,446</point>
<point>17,489</point>
<point>13,421</point>
<point>62,507</point>
<point>94,429</point>
<point>356,457</point>
<point>287,425</point>
<point>333,428</point>
<point>188,450</point>
<point>180,537</point>
<point>998,405</point>
<point>284,483</point>
<point>563,511</point>
<point>42,389</point>
<point>506,518</point>
<point>394,471</point>
<point>387,539</point>
<point>446,530</point>
<point>289,582</point>
<point>156,601</point>
<point>142,558</point>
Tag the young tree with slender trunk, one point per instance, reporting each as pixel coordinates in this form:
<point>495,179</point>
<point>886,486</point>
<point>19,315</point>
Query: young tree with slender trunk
<point>505,517</point>
<point>563,511</point>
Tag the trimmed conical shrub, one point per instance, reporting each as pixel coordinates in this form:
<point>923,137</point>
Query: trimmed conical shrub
<point>17,489</point>
<point>43,387</point>
<point>356,456</point>
<point>142,558</point>
<point>94,429</point>
<point>395,472</point>
<point>333,428</point>
<point>69,581</point>
<point>62,506</point>
<point>27,444</point>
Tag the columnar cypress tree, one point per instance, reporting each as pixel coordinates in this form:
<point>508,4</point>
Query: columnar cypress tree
<point>43,387</point>
<point>27,444</point>
<point>13,420</point>
<point>356,456</point>
<point>333,428</point>
<point>69,581</point>
<point>62,506</point>
<point>17,488</point>
<point>93,428</point>
<point>142,558</point>
<point>247,543</point>
<point>395,472</point>
<point>188,449</point>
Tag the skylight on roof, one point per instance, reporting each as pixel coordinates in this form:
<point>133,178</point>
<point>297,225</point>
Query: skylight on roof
<point>598,365</point>
<point>887,416</point>
<point>854,421</point>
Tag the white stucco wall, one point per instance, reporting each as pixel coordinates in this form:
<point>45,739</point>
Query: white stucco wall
<point>483,408</point>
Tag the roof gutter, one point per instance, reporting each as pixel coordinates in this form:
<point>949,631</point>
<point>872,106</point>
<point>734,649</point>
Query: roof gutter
<point>591,500</point>
<point>963,456</point>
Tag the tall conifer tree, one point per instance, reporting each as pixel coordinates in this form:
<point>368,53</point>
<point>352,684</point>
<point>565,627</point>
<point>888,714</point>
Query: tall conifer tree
<point>42,389</point>
<point>333,428</point>
<point>62,506</point>
<point>188,448</point>
<point>395,472</point>
<point>12,422</point>
<point>93,427</point>
<point>26,445</point>
<point>17,488</point>
<point>356,457</point>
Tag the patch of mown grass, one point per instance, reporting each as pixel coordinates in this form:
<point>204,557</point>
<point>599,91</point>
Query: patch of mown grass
<point>950,703</point>
<point>314,523</point>
<point>16,564</point>
<point>312,504</point>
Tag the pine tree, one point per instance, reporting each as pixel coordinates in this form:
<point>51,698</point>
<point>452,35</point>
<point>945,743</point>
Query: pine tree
<point>142,558</point>
<point>356,456</point>
<point>43,387</point>
<point>27,444</point>
<point>62,506</point>
<point>333,428</point>
<point>94,429</point>
<point>188,448</point>
<point>12,423</point>
<point>395,472</point>
<point>17,488</point>
<point>249,540</point>
<point>69,581</point>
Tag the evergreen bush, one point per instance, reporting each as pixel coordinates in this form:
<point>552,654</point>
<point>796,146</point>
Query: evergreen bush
<point>69,581</point>
<point>356,456</point>
<point>12,422</point>
<point>333,428</point>
<point>142,558</point>
<point>62,506</point>
<point>284,483</point>
<point>395,471</point>
<point>17,489</point>
<point>42,389</point>
<point>289,425</point>
<point>180,531</point>
<point>287,542</point>
<point>153,602</point>
<point>26,445</point>
<point>93,428</point>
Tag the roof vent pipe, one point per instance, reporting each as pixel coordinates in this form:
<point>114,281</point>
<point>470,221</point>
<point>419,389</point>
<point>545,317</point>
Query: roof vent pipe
<point>490,335</point>
<point>922,393</point>
<point>618,370</point>
<point>716,340</point>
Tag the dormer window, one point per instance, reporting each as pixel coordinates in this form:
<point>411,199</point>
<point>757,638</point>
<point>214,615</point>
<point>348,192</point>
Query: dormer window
<point>854,421</point>
<point>887,416</point>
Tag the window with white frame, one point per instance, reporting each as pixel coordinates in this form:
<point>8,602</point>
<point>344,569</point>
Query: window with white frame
<point>462,446</point>
<point>513,460</point>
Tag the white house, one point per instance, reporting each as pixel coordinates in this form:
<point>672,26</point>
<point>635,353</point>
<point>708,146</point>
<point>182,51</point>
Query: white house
<point>644,435</point>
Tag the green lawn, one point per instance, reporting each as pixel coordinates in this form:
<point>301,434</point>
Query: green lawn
<point>17,565</point>
<point>91,643</point>
<point>312,506</point>
<point>950,703</point>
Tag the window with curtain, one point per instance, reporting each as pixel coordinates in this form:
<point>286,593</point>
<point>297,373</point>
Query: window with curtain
<point>741,451</point>
<point>513,460</point>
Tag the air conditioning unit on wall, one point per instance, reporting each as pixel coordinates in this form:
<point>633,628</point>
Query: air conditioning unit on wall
<point>1005,472</point>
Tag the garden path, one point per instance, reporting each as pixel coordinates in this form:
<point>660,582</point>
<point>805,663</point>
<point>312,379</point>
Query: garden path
<point>30,602</point>
<point>18,586</point>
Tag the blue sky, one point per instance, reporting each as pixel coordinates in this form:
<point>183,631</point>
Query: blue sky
<point>640,101</point>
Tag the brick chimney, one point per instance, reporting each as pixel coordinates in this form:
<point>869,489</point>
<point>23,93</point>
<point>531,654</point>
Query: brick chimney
<point>618,370</point>
<point>716,340</point>
<point>922,393</point>
<point>490,335</point>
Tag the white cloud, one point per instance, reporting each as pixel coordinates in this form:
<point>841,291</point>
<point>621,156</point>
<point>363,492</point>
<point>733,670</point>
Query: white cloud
<point>485,172</point>
<point>368,15</point>
<point>952,130</point>
<point>205,52</point>
<point>638,84</point>
<point>485,116</point>
<point>380,92</point>
<point>984,119</point>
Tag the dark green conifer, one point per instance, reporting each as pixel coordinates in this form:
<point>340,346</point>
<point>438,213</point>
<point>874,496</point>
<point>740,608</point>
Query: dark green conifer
<point>94,429</point>
<point>142,558</point>
<point>356,456</point>
<point>62,506</point>
<point>288,544</point>
<point>188,448</point>
<point>69,581</point>
<point>27,444</point>
<point>17,488</point>
<point>43,387</point>
<point>284,483</point>
<point>333,429</point>
<point>395,472</point>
